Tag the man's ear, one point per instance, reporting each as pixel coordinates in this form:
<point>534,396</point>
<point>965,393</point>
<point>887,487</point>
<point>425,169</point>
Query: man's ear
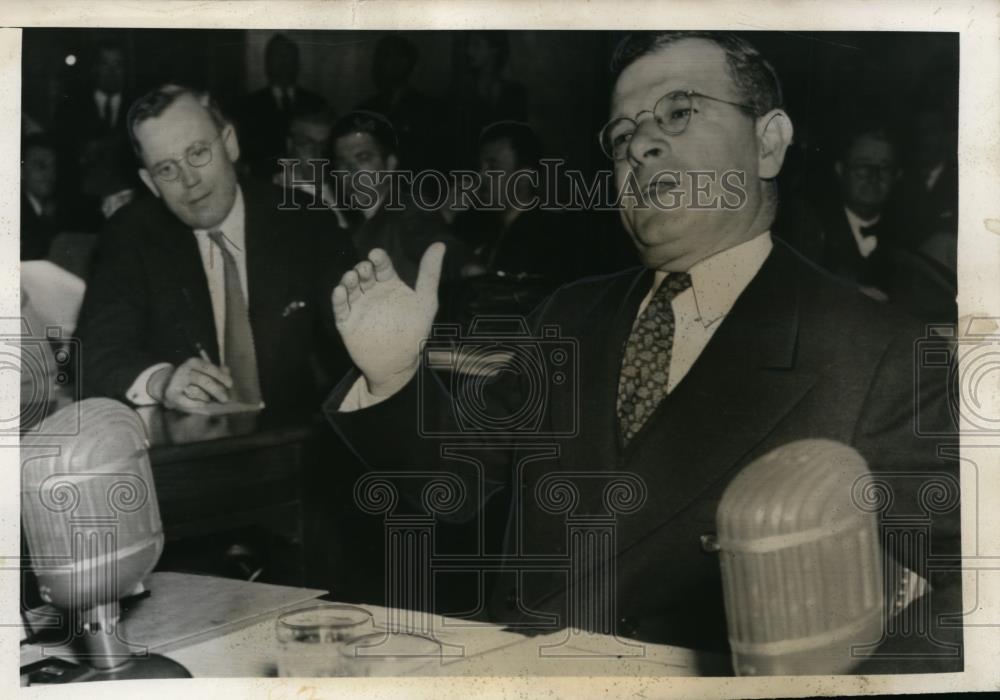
<point>774,136</point>
<point>231,143</point>
<point>147,179</point>
<point>392,162</point>
<point>838,168</point>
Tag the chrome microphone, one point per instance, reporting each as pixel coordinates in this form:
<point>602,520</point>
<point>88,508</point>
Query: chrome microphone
<point>93,529</point>
<point>801,562</point>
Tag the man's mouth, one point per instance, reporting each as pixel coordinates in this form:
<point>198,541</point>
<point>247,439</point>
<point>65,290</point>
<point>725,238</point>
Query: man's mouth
<point>661,184</point>
<point>200,199</point>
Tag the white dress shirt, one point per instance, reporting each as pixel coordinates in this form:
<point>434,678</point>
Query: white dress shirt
<point>102,98</point>
<point>716,283</point>
<point>234,234</point>
<point>36,205</point>
<point>284,97</point>
<point>866,244</point>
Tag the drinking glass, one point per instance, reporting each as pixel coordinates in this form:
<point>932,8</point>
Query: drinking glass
<point>390,654</point>
<point>309,639</point>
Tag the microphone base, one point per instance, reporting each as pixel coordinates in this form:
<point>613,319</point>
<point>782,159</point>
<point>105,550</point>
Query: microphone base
<point>138,667</point>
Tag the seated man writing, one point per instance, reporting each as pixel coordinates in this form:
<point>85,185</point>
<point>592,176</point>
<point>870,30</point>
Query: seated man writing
<point>206,291</point>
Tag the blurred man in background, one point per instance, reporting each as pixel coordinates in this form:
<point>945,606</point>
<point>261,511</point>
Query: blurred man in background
<point>856,231</point>
<point>264,116</point>
<point>39,211</point>
<point>381,210</point>
<point>89,125</point>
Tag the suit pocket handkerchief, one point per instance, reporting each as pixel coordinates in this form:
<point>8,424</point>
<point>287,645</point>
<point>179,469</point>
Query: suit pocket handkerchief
<point>292,307</point>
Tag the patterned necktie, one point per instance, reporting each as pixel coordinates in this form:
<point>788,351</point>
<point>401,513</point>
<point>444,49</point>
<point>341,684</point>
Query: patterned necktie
<point>646,365</point>
<point>240,355</point>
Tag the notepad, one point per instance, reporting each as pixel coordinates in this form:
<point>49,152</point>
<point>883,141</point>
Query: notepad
<point>216,408</point>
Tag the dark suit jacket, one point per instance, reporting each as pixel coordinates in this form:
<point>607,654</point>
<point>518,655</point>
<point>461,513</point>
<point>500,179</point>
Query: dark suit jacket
<point>37,231</point>
<point>799,356</point>
<point>263,126</point>
<point>405,233</point>
<point>95,160</point>
<point>148,299</point>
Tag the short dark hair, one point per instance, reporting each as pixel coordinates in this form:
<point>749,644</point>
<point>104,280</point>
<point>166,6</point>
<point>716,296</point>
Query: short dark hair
<point>874,129</point>
<point>374,124</point>
<point>754,76</point>
<point>390,44</point>
<point>498,41</point>
<point>156,101</point>
<point>106,45</point>
<point>314,114</point>
<point>523,140</point>
<point>281,41</point>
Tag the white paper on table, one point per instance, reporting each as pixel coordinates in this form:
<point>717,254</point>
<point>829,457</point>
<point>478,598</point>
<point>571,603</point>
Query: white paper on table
<point>55,295</point>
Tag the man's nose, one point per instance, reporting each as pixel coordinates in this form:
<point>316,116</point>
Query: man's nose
<point>189,175</point>
<point>648,143</point>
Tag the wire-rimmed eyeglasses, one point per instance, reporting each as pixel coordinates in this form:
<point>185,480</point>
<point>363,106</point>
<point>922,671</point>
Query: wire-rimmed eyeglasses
<point>197,155</point>
<point>672,113</point>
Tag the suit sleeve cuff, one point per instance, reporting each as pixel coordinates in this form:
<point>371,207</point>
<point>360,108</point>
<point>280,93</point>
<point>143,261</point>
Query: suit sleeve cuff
<point>358,397</point>
<point>138,392</point>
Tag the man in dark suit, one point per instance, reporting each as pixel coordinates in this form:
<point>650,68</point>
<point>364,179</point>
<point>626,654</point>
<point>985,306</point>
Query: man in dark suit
<point>381,211</point>
<point>206,291</point>
<point>264,116</point>
<point>39,212</point>
<point>523,247</point>
<point>857,234</point>
<point>723,347</point>
<point>89,126</point>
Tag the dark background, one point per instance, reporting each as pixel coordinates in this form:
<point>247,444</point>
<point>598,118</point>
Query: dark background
<point>828,77</point>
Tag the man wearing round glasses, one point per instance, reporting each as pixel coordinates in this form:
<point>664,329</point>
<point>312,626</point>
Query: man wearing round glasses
<point>207,291</point>
<point>725,346</point>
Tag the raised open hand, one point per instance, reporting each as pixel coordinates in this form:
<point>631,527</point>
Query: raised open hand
<point>383,321</point>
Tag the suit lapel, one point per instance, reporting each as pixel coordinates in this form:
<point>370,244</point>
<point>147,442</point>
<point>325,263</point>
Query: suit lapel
<point>266,262</point>
<point>601,349</point>
<point>268,281</point>
<point>186,286</point>
<point>743,384</point>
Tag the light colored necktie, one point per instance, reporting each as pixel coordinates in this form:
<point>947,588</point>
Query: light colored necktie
<point>240,353</point>
<point>645,371</point>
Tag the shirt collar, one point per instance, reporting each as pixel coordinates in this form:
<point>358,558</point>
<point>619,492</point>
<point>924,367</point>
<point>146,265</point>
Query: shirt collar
<point>35,204</point>
<point>233,226</point>
<point>718,280</point>
<point>857,223</point>
<point>103,97</point>
<point>279,91</point>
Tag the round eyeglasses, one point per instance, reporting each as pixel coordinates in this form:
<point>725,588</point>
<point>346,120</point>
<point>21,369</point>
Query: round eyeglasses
<point>672,113</point>
<point>197,155</point>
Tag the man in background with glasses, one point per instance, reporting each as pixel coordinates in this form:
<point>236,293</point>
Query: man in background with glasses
<point>723,347</point>
<point>207,292</point>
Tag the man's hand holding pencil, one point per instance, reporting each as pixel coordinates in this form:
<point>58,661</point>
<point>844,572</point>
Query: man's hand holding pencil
<point>192,385</point>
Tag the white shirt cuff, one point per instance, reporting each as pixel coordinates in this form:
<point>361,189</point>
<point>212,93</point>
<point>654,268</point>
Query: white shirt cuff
<point>137,393</point>
<point>359,397</point>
